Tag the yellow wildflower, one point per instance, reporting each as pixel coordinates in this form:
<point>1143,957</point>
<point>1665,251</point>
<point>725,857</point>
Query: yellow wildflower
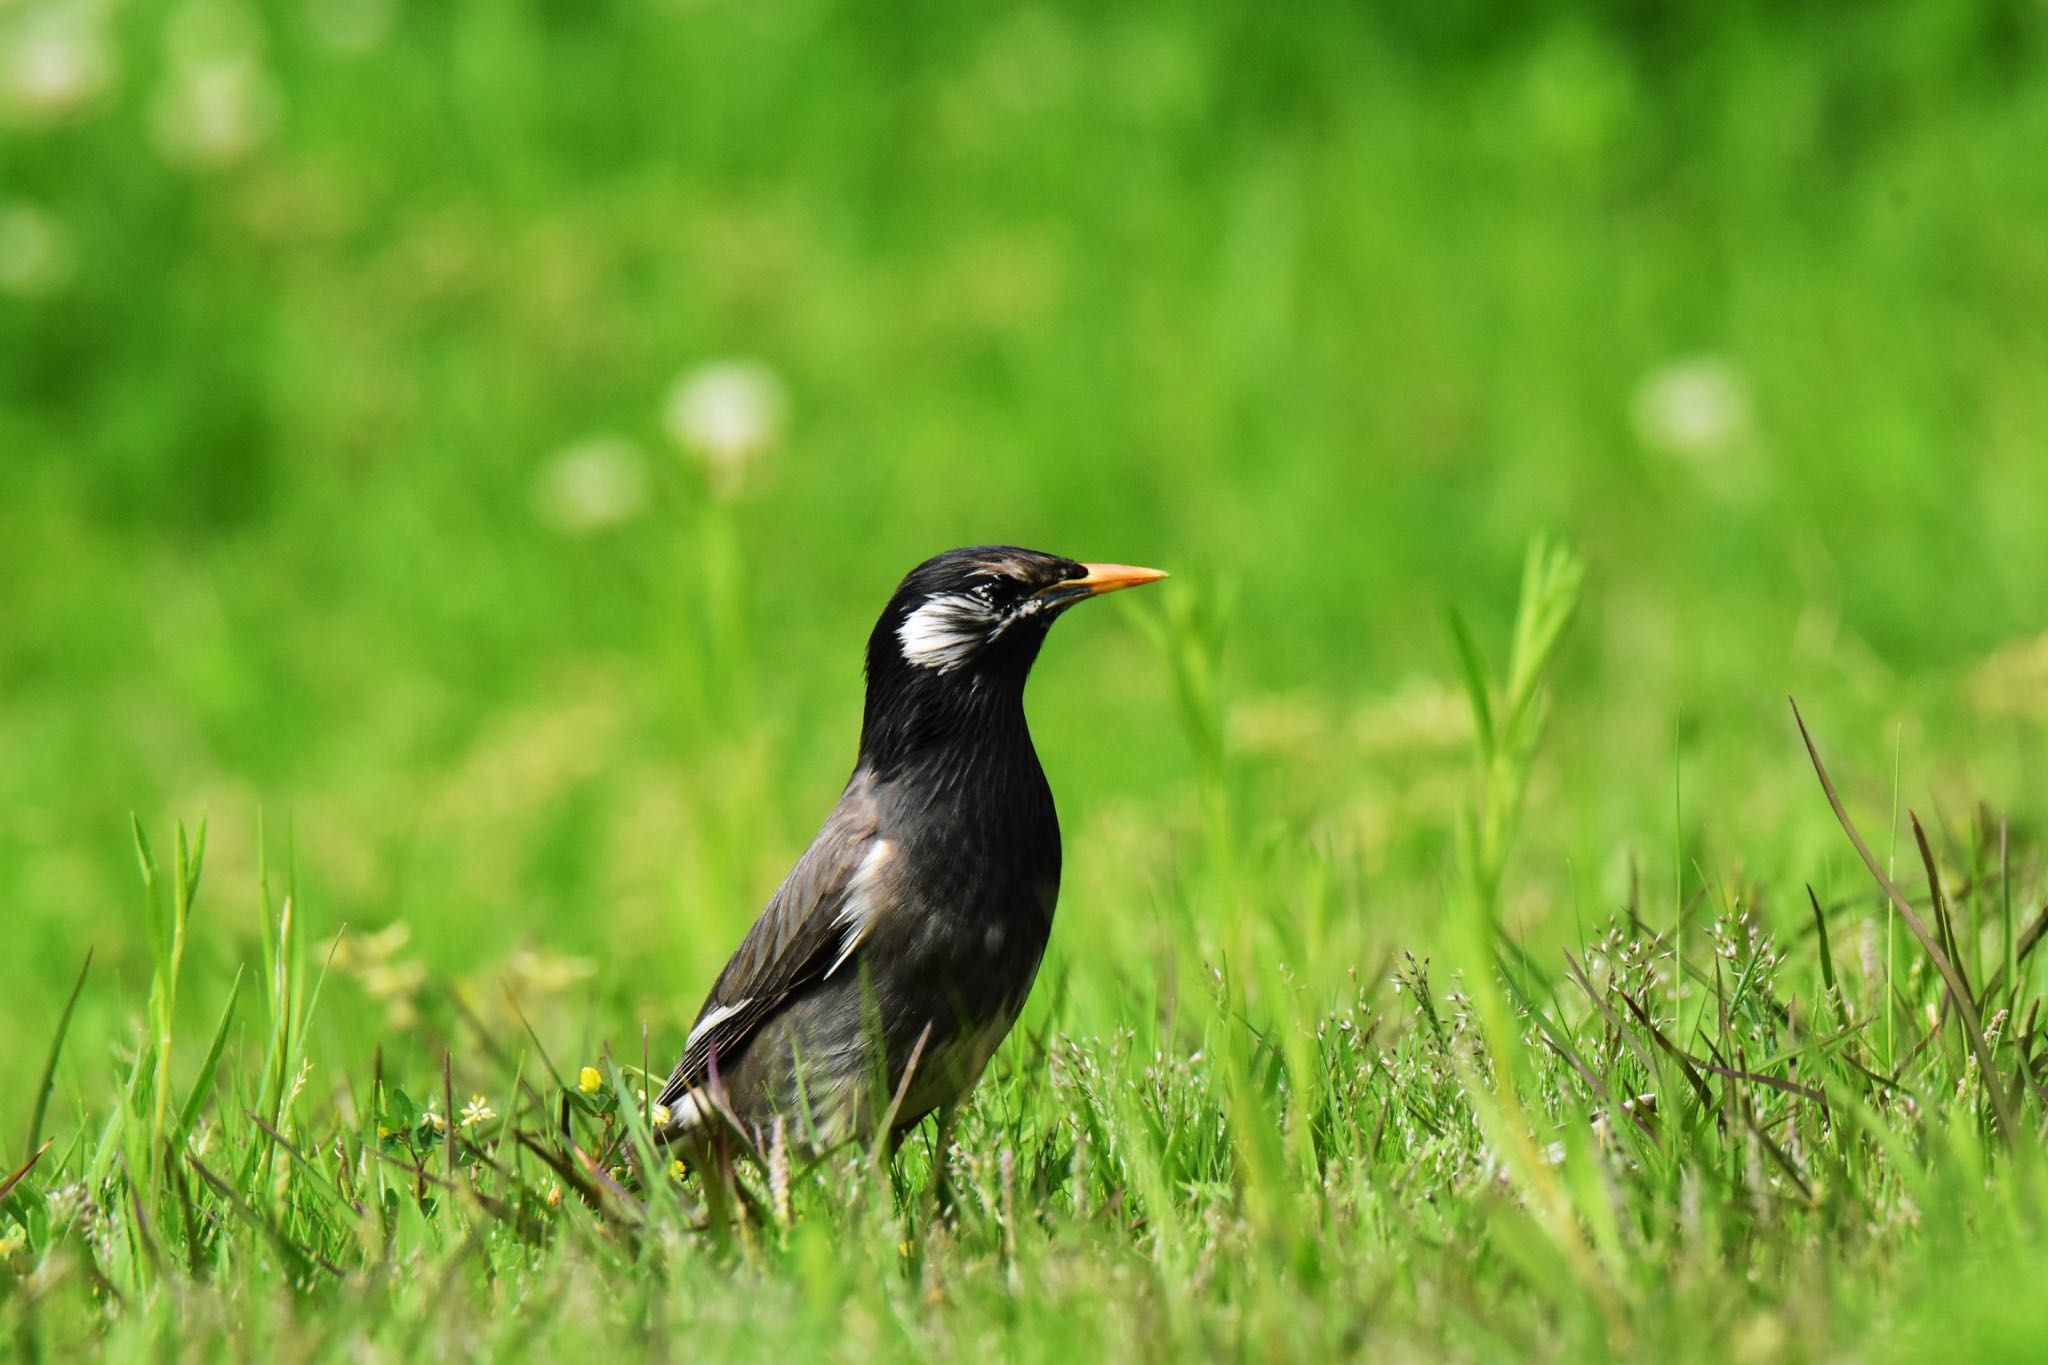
<point>589,1080</point>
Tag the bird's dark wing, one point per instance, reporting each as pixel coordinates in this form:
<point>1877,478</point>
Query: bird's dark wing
<point>810,929</point>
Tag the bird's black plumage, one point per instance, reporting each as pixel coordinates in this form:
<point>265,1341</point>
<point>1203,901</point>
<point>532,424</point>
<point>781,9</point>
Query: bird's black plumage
<point>913,925</point>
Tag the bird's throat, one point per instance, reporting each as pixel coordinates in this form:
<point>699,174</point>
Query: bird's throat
<point>966,731</point>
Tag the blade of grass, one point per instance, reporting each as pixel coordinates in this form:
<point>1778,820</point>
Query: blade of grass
<point>317,1179</point>
<point>1827,958</point>
<point>1943,924</point>
<point>7,1185</point>
<point>203,1083</point>
<point>1473,665</point>
<point>303,1260</point>
<point>1959,990</point>
<point>2030,939</point>
<point>2010,970</point>
<point>49,1076</point>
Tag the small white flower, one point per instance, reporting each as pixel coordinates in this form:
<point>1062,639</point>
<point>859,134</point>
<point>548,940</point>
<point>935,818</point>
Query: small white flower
<point>478,1110</point>
<point>729,414</point>
<point>1696,409</point>
<point>51,70</point>
<point>67,1202</point>
<point>214,112</point>
<point>591,486</point>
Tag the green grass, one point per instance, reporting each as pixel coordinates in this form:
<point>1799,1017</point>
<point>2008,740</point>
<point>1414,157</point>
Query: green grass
<point>1639,1154</point>
<point>1331,313</point>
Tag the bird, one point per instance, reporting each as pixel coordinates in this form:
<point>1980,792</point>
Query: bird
<point>897,953</point>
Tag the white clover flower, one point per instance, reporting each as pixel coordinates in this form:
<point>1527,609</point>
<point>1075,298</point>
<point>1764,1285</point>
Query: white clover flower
<point>35,254</point>
<point>215,111</point>
<point>1696,409</point>
<point>591,486</point>
<point>729,414</point>
<point>478,1110</point>
<point>53,69</point>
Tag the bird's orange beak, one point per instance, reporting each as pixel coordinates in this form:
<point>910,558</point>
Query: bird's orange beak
<point>1102,578</point>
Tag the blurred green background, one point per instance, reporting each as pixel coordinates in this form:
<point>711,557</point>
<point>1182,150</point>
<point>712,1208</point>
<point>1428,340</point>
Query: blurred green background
<point>477,437</point>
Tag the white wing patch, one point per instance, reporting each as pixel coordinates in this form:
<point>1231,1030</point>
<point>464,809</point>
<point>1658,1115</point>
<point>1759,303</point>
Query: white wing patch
<point>713,1020</point>
<point>945,630</point>
<point>685,1114</point>
<point>857,912</point>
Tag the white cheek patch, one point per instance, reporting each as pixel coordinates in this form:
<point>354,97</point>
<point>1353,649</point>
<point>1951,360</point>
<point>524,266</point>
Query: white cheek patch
<point>944,632</point>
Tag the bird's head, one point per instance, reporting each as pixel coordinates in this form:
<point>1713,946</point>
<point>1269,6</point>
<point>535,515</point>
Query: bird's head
<point>982,612</point>
<point>970,622</point>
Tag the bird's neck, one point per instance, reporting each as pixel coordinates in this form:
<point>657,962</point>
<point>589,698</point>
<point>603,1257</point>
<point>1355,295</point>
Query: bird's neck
<point>964,731</point>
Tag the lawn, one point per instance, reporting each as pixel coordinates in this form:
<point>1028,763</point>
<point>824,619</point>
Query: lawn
<point>451,457</point>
